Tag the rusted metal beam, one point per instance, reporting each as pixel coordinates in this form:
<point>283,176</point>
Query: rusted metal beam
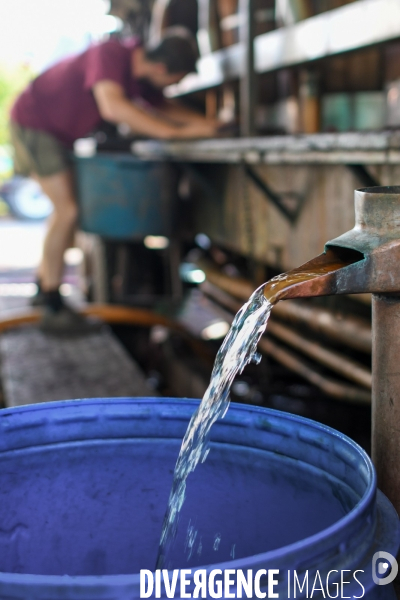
<point>352,331</point>
<point>330,387</point>
<point>344,366</point>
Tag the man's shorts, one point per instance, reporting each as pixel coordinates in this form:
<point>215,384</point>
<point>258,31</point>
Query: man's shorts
<point>37,152</point>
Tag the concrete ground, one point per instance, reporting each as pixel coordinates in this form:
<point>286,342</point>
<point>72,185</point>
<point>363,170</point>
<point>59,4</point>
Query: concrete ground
<point>35,367</point>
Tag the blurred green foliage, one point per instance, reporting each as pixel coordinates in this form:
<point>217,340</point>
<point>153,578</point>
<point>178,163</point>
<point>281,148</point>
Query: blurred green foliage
<point>12,81</point>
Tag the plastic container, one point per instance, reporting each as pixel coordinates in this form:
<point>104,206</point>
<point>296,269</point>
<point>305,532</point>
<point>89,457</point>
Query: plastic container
<point>359,111</point>
<point>122,197</point>
<point>84,486</point>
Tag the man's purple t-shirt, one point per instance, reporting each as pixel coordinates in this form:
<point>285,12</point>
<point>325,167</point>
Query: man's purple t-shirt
<point>60,101</point>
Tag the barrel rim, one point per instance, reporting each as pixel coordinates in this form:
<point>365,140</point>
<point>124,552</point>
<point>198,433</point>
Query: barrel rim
<point>312,542</point>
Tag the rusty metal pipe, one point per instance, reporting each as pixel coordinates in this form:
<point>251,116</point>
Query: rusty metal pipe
<point>370,257</point>
<point>364,259</point>
<point>320,276</point>
<point>348,368</point>
<point>386,394</point>
<point>376,240</point>
<point>333,388</point>
<point>352,331</point>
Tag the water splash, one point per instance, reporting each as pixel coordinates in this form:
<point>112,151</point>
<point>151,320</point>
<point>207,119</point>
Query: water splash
<point>233,550</point>
<point>238,349</point>
<point>217,541</point>
<point>191,536</point>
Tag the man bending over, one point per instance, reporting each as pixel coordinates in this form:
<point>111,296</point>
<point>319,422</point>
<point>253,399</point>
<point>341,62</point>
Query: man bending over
<point>112,81</point>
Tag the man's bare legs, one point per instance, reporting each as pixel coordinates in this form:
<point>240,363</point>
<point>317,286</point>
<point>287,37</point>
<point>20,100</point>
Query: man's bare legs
<point>57,317</point>
<point>60,189</point>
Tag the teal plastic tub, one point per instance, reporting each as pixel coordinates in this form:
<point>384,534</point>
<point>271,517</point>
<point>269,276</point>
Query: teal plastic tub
<point>123,198</point>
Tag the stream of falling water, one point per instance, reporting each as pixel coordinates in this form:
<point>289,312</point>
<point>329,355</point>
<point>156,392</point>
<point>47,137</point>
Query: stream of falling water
<point>238,349</point>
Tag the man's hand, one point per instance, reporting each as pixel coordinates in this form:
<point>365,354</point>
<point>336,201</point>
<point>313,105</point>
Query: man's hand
<point>183,115</point>
<point>115,107</point>
<point>196,130</point>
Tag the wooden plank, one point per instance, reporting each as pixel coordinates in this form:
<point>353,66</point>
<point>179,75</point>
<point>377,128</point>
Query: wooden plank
<point>242,219</point>
<point>36,367</point>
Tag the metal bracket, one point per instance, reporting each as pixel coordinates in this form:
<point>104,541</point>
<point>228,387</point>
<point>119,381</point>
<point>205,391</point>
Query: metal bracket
<point>278,200</point>
<point>363,175</point>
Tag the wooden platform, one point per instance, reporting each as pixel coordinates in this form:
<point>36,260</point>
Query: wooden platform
<point>36,367</point>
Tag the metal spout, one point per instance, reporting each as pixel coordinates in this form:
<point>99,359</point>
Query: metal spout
<point>365,259</point>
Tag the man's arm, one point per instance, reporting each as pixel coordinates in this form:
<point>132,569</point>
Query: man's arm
<point>182,114</point>
<point>115,107</point>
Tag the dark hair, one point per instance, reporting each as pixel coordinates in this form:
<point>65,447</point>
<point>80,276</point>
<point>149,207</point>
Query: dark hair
<point>177,50</point>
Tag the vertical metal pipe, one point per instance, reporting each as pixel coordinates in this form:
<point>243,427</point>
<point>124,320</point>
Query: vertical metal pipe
<point>386,394</point>
<point>204,38</point>
<point>248,78</point>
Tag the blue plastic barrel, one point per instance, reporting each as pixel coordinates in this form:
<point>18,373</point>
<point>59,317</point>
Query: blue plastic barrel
<point>84,486</point>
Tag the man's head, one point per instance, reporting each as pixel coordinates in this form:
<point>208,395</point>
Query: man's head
<point>172,58</point>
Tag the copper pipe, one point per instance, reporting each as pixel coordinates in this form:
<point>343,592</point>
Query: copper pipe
<point>333,360</point>
<point>16,318</point>
<point>362,260</point>
<point>332,272</point>
<point>142,317</point>
<point>110,313</point>
<point>352,331</point>
<point>113,313</point>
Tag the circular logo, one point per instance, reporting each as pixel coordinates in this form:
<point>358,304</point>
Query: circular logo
<point>384,568</point>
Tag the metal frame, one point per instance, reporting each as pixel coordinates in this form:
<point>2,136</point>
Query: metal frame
<point>344,29</point>
<point>248,80</point>
<point>278,200</point>
<point>355,148</point>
